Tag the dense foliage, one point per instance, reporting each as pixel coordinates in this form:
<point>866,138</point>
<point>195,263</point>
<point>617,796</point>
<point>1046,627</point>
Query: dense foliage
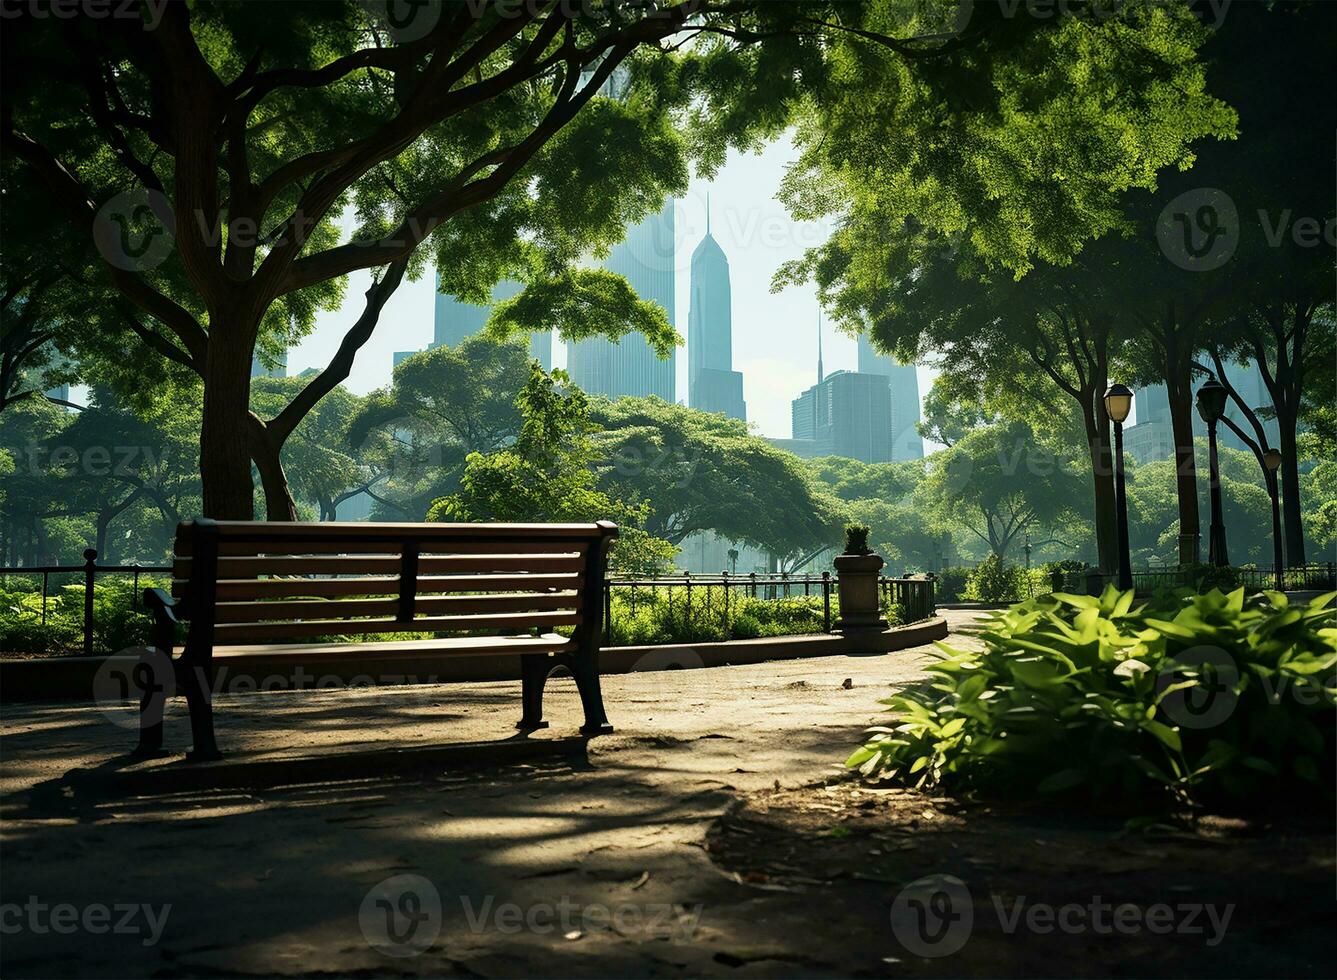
<point>1186,699</point>
<point>645,616</point>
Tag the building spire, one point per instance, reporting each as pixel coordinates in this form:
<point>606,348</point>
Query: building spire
<point>820,374</point>
<point>707,214</point>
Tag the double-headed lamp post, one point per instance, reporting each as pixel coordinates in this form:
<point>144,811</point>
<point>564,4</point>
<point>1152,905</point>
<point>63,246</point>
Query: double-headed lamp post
<point>1272,460</point>
<point>1211,406</point>
<point>1118,403</point>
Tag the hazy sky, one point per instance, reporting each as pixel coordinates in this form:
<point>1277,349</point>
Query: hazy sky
<point>774,334</point>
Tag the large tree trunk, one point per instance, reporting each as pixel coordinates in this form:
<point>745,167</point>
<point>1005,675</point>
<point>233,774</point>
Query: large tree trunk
<point>1290,487</point>
<point>1180,391</point>
<point>1097,423</point>
<point>225,458</point>
<point>267,453</point>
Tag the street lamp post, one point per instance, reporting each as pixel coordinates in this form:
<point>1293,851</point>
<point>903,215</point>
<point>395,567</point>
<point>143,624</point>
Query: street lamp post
<point>1211,406</point>
<point>1118,403</point>
<point>1272,460</point>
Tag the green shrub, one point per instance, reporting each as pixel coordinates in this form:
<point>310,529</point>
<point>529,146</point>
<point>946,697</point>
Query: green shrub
<point>951,583</point>
<point>1185,699</point>
<point>993,580</point>
<point>117,622</point>
<point>657,616</point>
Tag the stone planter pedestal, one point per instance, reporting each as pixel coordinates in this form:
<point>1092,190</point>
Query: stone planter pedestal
<point>860,609</point>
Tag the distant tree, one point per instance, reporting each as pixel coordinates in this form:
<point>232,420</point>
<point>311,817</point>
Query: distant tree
<point>442,405</point>
<point>32,428</point>
<point>852,479</point>
<point>698,471</point>
<point>320,462</point>
<point>998,484</point>
<point>547,474</point>
<point>110,459</point>
<point>1153,508</point>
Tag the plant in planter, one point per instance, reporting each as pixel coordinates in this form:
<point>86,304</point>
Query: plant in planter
<point>856,539</point>
<point>857,570</point>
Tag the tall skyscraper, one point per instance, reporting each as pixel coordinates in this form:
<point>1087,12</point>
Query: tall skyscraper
<point>454,320</point>
<point>903,382</point>
<point>712,383</point>
<point>630,366</point>
<point>845,414</point>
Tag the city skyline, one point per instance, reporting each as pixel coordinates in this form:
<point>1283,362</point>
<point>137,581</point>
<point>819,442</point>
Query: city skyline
<point>773,343</point>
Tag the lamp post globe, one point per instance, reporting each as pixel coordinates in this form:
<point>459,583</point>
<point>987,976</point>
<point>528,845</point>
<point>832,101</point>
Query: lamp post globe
<point>1212,397</point>
<point>1211,406</point>
<point>1118,402</point>
<point>1118,405</point>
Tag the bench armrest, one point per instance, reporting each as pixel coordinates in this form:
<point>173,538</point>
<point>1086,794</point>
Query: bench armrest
<point>162,605</point>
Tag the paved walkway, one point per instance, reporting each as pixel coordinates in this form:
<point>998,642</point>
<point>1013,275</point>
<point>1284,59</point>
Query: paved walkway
<point>567,867</point>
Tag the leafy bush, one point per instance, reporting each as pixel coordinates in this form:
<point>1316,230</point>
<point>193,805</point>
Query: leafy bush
<point>951,583</point>
<point>1204,577</point>
<point>657,616</point>
<point>1188,699</point>
<point>993,580</point>
<point>117,622</point>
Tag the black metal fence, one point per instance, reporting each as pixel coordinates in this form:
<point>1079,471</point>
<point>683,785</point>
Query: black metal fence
<point>713,597</point>
<point>88,572</point>
<point>1313,577</point>
<point>712,594</point>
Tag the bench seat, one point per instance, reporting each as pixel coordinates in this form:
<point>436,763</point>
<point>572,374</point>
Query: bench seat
<point>462,646</point>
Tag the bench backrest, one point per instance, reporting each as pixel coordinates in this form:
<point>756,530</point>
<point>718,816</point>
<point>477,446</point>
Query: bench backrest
<point>246,582</point>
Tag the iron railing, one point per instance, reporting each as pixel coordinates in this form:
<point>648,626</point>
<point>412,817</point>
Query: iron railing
<point>89,571</point>
<point>713,597</point>
<point>1312,577</point>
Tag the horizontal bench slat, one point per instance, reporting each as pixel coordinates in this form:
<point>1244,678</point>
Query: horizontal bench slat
<point>267,588</point>
<point>426,533</point>
<point>255,612</point>
<point>380,649</point>
<point>394,548</point>
<point>249,632</point>
<point>385,565</point>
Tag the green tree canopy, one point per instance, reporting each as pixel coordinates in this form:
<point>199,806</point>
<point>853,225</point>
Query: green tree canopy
<point>704,472</point>
<point>547,475</point>
<point>998,484</point>
<point>206,153</point>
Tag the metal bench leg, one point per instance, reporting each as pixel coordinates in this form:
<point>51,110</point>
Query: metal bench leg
<point>534,669</point>
<point>585,670</point>
<point>199,697</point>
<point>153,676</point>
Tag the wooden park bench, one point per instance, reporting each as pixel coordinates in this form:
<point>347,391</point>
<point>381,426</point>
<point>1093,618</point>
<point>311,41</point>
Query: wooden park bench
<point>254,591</point>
